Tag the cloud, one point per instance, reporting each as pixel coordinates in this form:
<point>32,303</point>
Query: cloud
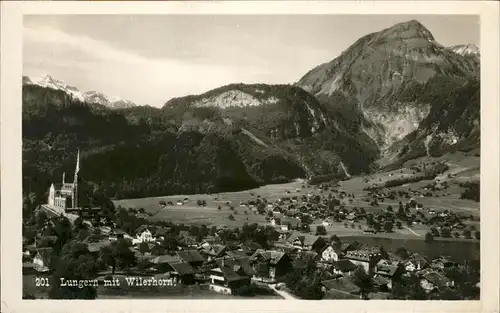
<point>93,64</point>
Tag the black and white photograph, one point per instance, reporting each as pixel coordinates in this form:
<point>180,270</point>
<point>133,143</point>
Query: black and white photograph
<point>251,157</point>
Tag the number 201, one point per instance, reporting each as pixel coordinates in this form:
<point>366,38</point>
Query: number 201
<point>41,282</point>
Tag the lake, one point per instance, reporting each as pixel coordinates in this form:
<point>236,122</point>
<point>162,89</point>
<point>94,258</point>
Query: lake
<point>459,251</point>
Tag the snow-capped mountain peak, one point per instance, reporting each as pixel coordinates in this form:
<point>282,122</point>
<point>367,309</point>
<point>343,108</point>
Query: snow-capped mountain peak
<point>96,97</point>
<point>91,96</point>
<point>48,81</point>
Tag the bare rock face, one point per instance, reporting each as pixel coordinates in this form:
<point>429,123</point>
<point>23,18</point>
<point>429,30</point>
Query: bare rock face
<point>390,79</point>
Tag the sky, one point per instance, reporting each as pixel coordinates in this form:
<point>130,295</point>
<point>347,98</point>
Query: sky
<point>151,59</point>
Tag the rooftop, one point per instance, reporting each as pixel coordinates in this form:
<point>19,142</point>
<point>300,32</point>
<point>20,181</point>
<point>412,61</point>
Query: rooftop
<point>344,284</point>
<point>191,256</point>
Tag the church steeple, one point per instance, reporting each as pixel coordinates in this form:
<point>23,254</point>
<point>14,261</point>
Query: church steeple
<point>64,174</point>
<point>75,181</point>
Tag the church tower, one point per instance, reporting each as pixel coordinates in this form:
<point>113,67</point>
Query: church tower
<point>75,182</point>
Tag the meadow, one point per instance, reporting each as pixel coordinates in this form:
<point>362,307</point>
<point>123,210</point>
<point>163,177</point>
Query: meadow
<point>461,168</point>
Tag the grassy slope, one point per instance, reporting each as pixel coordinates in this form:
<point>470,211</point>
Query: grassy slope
<point>464,166</point>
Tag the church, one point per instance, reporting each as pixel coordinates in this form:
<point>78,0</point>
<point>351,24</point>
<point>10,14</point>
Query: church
<point>64,197</point>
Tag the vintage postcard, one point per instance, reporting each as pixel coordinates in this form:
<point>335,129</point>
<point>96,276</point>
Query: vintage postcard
<point>248,153</point>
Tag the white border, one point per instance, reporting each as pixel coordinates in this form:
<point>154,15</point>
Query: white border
<point>11,69</point>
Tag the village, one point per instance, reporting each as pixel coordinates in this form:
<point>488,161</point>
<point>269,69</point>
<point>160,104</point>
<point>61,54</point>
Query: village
<point>293,254</point>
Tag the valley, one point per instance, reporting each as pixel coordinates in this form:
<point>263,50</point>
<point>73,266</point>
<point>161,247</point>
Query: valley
<point>362,177</point>
<point>218,207</point>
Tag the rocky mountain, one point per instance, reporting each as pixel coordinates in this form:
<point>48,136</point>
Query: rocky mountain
<point>387,84</point>
<point>93,97</point>
<point>283,116</point>
<point>466,50</point>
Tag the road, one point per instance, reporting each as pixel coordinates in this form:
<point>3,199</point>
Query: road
<point>411,230</point>
<point>285,294</point>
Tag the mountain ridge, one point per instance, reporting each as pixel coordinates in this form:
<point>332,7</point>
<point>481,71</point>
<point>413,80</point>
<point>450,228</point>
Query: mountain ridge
<point>391,96</point>
<point>91,96</point>
<point>381,76</point>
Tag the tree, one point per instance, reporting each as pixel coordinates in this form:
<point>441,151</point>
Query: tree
<point>78,223</point>
<point>477,235</point>
<point>304,281</point>
<point>118,255</point>
<point>467,234</point>
<point>74,262</point>
<point>231,217</point>
<point>63,232</point>
<point>445,232</point>
<point>399,225</point>
<point>320,230</point>
<point>388,226</point>
<point>143,247</point>
<point>402,253</point>
<point>408,289</point>
<point>40,219</point>
<point>429,238</point>
<point>383,253</point>
<point>362,279</point>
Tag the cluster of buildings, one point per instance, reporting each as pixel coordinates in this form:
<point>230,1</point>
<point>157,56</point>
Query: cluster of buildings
<point>226,269</point>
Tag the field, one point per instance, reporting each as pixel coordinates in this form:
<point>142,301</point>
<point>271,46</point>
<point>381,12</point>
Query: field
<point>462,168</point>
<point>190,212</point>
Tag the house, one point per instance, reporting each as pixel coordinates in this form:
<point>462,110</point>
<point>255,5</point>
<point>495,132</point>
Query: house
<point>161,232</point>
<point>236,254</point>
<point>370,230</point>
<point>118,233</point>
<point>329,254</point>
<point>43,259</point>
<point>382,283</point>
<point>106,230</point>
<point>270,264</point>
<point>306,241</point>
<point>344,267</point>
<point>192,257</point>
<point>388,272</point>
<point>416,263</point>
<point>211,252</point>
<point>29,268</point>
<point>143,234</point>
<point>185,239</point>
<point>307,255</point>
<point>182,272</point>
<point>229,275</point>
<point>367,258</point>
<point>292,212</point>
<point>162,262</point>
<point>432,280</point>
<point>442,262</point>
<point>353,245</point>
<point>142,215</point>
<point>290,223</point>
<point>340,288</point>
<point>249,247</point>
